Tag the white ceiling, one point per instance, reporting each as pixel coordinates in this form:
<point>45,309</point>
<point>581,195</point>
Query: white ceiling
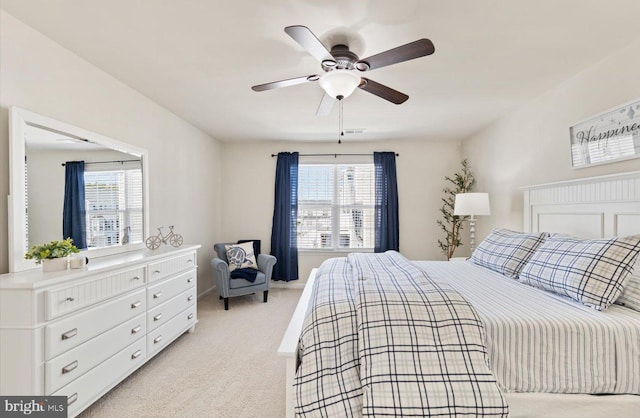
<point>199,58</point>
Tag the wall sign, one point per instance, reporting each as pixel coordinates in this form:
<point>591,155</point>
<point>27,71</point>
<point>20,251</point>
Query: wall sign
<point>611,136</point>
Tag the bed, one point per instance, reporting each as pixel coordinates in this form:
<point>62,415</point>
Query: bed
<point>541,364</point>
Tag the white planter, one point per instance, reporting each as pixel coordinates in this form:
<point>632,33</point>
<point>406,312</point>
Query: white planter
<point>55,264</point>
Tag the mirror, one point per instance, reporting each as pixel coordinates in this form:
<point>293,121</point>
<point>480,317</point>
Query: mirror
<point>115,179</point>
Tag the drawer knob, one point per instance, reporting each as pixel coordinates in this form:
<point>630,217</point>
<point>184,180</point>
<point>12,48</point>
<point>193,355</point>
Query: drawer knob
<point>157,339</point>
<point>190,298</point>
<point>70,299</point>
<point>189,261</point>
<point>135,304</point>
<point>69,334</point>
<point>136,278</point>
<point>136,329</point>
<point>157,295</point>
<point>190,280</point>
<point>70,367</point>
<point>190,316</point>
<point>136,354</point>
<point>156,272</point>
<point>71,399</point>
<point>157,317</point>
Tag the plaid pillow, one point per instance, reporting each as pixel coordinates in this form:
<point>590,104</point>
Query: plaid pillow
<point>592,272</point>
<point>630,296</point>
<point>507,251</point>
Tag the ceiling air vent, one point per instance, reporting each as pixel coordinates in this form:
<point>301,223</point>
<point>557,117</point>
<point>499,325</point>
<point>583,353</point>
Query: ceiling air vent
<point>353,131</point>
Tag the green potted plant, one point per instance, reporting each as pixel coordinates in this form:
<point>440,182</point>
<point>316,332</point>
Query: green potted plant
<point>54,255</point>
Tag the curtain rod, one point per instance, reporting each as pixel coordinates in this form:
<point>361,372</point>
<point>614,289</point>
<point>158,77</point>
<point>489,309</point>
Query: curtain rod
<point>331,155</point>
<point>107,162</point>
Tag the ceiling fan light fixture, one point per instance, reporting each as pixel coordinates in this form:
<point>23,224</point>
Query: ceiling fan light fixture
<point>339,83</point>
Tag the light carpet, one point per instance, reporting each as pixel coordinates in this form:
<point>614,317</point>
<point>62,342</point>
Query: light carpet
<point>227,368</point>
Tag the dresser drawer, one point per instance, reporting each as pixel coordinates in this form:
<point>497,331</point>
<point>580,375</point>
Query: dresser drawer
<point>163,313</point>
<point>162,292</point>
<point>69,298</point>
<point>65,334</point>
<point>76,362</point>
<point>93,384</point>
<point>165,268</point>
<point>159,338</point>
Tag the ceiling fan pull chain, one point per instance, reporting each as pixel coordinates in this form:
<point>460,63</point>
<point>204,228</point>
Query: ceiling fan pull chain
<point>340,122</point>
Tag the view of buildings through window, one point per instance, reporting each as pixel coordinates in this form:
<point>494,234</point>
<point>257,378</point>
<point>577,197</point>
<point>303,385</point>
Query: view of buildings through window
<point>114,207</point>
<point>336,206</point>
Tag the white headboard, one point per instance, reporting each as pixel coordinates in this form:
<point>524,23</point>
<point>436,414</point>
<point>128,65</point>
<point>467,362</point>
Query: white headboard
<point>594,207</point>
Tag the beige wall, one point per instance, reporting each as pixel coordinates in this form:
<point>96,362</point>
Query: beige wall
<point>531,145</point>
<point>248,188</point>
<point>39,75</point>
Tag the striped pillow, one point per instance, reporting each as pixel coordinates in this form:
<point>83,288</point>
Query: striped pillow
<point>592,272</point>
<point>507,251</point>
<point>630,296</point>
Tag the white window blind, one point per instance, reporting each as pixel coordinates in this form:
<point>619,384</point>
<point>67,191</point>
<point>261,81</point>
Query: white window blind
<point>114,207</point>
<point>336,206</point>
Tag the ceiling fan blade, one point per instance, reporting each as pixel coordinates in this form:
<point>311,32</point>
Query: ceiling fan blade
<point>412,50</point>
<point>383,91</point>
<point>309,41</point>
<point>285,83</point>
<point>326,104</point>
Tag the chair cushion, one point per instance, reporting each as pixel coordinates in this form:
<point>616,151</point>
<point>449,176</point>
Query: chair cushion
<point>241,256</point>
<point>239,283</point>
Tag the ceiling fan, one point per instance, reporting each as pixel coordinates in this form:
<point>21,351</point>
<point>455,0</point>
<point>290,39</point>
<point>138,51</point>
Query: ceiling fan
<point>342,67</point>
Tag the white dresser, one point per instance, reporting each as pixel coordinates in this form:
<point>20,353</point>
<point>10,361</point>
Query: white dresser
<point>78,333</point>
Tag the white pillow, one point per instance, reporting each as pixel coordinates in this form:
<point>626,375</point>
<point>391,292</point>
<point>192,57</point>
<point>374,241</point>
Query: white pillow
<point>630,296</point>
<point>507,251</point>
<point>592,272</point>
<point>241,256</point>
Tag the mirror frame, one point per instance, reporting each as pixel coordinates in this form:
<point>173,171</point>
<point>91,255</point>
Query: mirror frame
<point>19,120</point>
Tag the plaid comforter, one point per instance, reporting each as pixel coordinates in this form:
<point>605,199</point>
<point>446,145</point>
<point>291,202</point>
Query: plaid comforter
<point>382,339</point>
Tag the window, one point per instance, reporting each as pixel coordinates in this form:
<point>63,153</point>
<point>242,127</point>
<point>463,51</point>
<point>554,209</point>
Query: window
<point>336,206</point>
<point>114,207</point>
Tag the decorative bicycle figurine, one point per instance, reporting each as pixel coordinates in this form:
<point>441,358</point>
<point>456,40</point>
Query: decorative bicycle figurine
<point>154,241</point>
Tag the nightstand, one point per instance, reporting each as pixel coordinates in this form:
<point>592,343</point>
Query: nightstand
<point>458,258</point>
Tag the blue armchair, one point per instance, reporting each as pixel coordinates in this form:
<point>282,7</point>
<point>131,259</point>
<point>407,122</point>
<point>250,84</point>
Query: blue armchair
<point>228,287</point>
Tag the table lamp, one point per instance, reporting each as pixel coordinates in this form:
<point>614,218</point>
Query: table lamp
<point>472,205</point>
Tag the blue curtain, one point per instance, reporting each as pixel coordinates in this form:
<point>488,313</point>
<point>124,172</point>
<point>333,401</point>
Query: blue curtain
<point>387,224</point>
<point>74,222</point>
<point>284,241</point>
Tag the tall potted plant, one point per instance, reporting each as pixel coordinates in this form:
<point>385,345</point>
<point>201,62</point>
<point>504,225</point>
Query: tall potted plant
<point>461,182</point>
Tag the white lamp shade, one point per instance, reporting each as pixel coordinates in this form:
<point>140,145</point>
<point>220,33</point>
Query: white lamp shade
<point>339,82</point>
<point>472,204</point>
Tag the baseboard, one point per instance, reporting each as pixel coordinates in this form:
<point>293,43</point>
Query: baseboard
<point>297,284</point>
<point>206,292</point>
